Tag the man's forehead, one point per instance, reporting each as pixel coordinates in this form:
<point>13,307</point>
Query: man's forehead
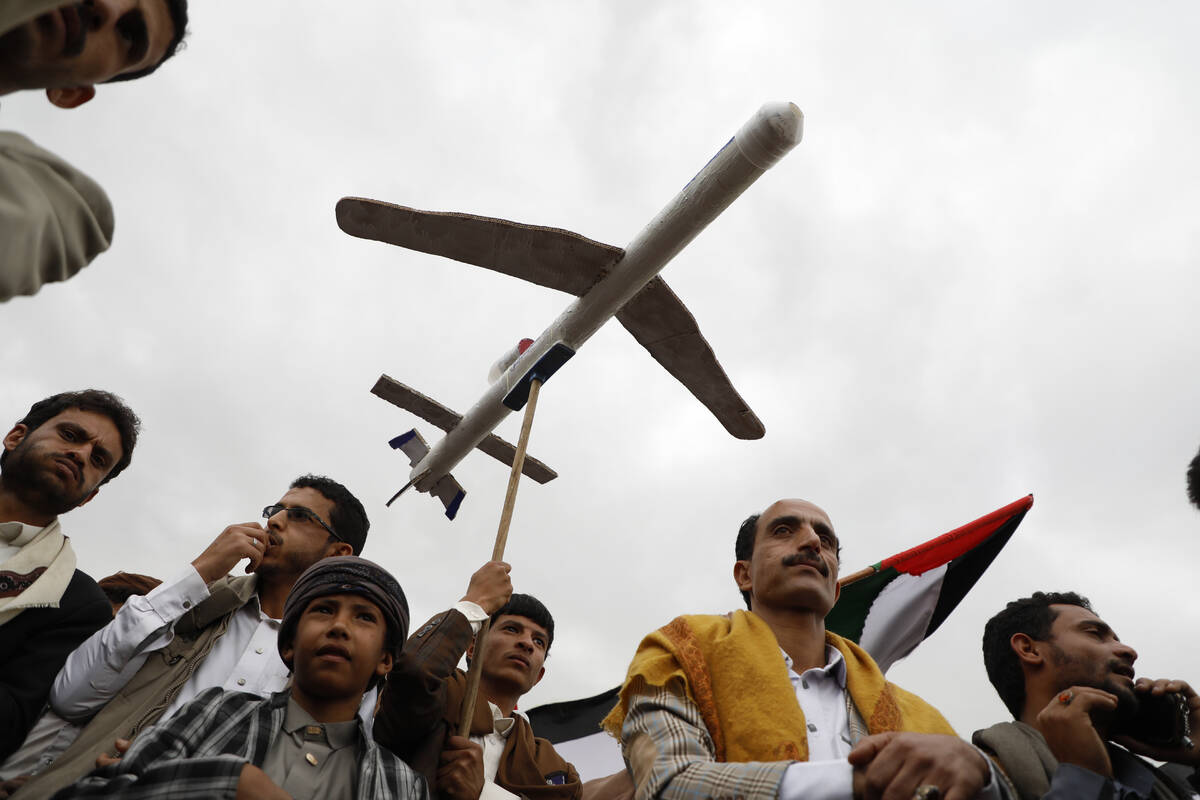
<point>802,509</point>
<point>1068,616</point>
<point>308,497</point>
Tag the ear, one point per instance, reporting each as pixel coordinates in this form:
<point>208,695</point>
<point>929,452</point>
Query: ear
<point>385,664</point>
<point>741,575</point>
<point>15,437</point>
<point>541,674</point>
<point>337,548</point>
<point>837,590</point>
<point>72,96</point>
<point>287,654</point>
<point>1026,649</point>
<point>88,499</point>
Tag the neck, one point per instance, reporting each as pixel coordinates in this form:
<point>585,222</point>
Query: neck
<point>14,509</point>
<point>801,634</point>
<point>505,700</point>
<point>327,709</point>
<point>273,592</point>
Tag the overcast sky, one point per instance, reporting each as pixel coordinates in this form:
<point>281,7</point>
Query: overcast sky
<point>975,278</point>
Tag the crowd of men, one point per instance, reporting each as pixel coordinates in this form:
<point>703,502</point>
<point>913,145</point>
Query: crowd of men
<point>298,677</point>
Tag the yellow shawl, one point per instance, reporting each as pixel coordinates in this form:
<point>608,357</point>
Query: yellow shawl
<point>731,667</point>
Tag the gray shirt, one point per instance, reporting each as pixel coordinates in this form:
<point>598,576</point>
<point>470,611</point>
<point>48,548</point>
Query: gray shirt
<point>312,759</point>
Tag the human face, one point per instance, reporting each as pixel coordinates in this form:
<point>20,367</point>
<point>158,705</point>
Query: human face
<point>60,464</point>
<point>82,44</point>
<point>1084,651</point>
<point>795,560</point>
<point>340,645</point>
<point>515,653</point>
<point>296,544</point>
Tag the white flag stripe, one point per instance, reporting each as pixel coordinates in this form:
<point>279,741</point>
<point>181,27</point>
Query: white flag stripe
<point>897,620</point>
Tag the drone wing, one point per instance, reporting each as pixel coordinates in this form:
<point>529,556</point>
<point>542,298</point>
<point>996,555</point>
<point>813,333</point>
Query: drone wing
<point>566,261</point>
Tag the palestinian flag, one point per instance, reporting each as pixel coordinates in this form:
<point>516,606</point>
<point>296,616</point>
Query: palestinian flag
<point>890,607</point>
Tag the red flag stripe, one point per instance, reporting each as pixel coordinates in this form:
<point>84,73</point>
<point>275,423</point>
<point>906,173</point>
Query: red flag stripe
<point>950,546</point>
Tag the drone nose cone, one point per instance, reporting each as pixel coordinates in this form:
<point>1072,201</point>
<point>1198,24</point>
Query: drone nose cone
<point>770,134</point>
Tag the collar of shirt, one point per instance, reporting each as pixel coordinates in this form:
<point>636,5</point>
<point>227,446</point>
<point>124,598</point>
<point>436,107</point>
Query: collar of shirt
<point>501,725</point>
<point>835,667</point>
<point>17,534</point>
<point>301,726</point>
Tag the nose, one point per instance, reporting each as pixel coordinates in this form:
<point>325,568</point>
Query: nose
<point>339,625</point>
<point>806,538</point>
<point>525,642</point>
<point>276,521</point>
<point>1125,652</point>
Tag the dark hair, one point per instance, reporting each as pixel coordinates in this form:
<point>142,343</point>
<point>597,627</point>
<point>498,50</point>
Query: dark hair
<point>100,402</point>
<point>348,517</point>
<point>1193,481</point>
<point>178,10</point>
<point>528,606</point>
<point>743,547</point>
<point>1031,616</point>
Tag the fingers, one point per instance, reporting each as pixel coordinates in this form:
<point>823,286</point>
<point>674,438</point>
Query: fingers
<point>490,586</point>
<point>897,763</point>
<point>867,748</point>
<point>1162,686</point>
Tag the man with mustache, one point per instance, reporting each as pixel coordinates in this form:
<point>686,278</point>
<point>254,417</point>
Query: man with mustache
<point>767,704</point>
<point>54,460</point>
<point>202,628</point>
<point>421,704</point>
<point>1069,683</point>
<point>54,219</point>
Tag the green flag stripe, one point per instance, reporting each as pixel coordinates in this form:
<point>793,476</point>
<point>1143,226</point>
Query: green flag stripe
<point>849,614</point>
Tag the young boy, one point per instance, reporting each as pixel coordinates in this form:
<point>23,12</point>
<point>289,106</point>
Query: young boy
<point>343,625</point>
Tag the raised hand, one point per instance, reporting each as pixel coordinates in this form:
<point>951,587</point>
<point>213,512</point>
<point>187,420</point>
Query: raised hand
<point>490,586</point>
<point>248,540</point>
<point>1067,723</point>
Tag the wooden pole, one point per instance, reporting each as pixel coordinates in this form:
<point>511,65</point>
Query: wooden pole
<point>854,577</point>
<point>510,499</point>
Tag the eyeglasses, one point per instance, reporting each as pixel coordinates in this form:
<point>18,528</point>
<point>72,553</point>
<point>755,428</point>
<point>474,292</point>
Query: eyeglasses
<point>299,514</point>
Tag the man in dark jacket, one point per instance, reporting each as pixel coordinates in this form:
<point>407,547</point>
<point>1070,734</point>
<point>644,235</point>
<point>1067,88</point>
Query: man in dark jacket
<point>54,459</point>
<point>1069,683</point>
<point>422,700</point>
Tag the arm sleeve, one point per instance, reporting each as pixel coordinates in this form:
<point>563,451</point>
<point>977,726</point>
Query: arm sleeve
<point>671,755</point>
<point>29,669</point>
<point>414,695</point>
<point>53,219</point>
<point>101,666</point>
<point>1071,782</point>
<point>162,762</point>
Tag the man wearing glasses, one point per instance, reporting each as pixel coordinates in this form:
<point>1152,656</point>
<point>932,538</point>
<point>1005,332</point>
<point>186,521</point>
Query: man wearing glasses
<point>204,628</point>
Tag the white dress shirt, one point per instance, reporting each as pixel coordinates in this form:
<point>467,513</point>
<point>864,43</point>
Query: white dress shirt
<point>827,775</point>
<point>245,659</point>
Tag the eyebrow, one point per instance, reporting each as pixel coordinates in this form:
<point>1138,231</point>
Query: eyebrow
<point>1098,625</point>
<point>792,521</point>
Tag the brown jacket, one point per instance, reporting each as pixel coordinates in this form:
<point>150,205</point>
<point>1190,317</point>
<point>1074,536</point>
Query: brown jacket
<point>420,704</point>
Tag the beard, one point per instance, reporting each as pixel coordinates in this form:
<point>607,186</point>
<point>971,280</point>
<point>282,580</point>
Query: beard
<point>1075,671</point>
<point>31,475</point>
